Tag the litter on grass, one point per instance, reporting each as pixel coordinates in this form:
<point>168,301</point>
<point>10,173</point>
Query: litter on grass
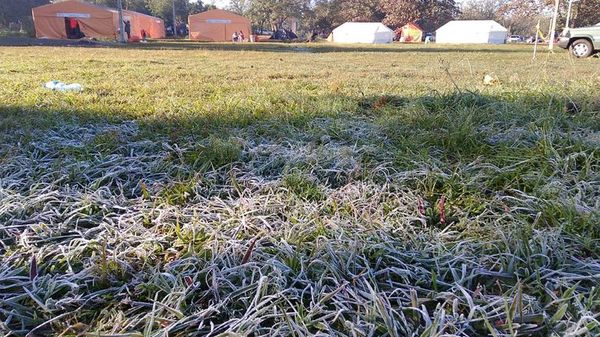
<point>61,86</point>
<point>490,80</point>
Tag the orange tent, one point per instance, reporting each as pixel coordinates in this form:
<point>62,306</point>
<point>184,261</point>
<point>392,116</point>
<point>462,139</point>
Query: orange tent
<point>411,32</point>
<point>153,26</point>
<point>57,20</point>
<point>54,21</point>
<point>217,25</point>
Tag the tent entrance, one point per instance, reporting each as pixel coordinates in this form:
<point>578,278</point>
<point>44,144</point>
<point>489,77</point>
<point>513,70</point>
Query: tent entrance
<point>73,29</point>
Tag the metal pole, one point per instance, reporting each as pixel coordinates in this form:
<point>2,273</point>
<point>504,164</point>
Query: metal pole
<point>553,26</point>
<point>569,13</point>
<point>174,21</point>
<point>121,23</point>
<point>537,35</point>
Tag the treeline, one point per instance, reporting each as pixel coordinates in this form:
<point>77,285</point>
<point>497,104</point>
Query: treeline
<point>519,16</point>
<point>324,15</point>
<point>522,16</point>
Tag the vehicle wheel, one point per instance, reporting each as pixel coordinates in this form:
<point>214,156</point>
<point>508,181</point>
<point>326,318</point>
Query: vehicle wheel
<point>581,48</point>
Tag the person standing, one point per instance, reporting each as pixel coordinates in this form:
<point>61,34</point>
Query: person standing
<point>234,37</point>
<point>242,36</point>
<point>128,29</point>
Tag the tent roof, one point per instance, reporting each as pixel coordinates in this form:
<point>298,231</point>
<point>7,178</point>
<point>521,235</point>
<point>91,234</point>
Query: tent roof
<point>365,26</point>
<point>70,4</point>
<point>474,25</point>
<point>414,25</point>
<point>73,4</point>
<point>129,12</point>
<point>219,14</point>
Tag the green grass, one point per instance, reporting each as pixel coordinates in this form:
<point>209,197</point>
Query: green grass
<point>8,33</point>
<point>200,189</point>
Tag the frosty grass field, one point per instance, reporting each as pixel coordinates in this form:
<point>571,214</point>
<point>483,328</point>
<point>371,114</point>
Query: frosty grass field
<point>297,190</point>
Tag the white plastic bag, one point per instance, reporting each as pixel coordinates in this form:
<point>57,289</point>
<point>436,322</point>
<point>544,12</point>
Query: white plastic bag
<point>60,86</point>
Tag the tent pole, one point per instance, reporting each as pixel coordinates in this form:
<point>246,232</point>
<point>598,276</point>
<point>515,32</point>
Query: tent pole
<point>121,23</point>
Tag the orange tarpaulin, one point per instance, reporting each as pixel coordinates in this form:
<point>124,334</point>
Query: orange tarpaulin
<point>154,27</point>
<point>411,32</point>
<point>94,21</point>
<point>217,25</point>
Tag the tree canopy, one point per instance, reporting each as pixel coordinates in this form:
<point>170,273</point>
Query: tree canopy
<point>586,13</point>
<point>324,15</point>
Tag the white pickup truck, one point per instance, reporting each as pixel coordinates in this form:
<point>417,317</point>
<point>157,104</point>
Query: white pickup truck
<point>582,42</point>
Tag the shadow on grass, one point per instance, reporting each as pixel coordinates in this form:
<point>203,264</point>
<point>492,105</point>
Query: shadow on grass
<point>317,47</point>
<point>463,112</point>
<point>290,111</point>
<point>451,129</point>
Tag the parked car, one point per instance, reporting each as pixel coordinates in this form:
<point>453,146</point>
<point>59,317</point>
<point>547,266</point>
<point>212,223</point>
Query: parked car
<point>514,39</point>
<point>431,37</point>
<point>531,39</point>
<point>582,42</point>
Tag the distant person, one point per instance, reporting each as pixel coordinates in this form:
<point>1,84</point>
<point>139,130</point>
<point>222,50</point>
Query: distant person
<point>128,29</point>
<point>74,30</point>
<point>242,36</point>
<point>144,35</point>
<point>234,37</point>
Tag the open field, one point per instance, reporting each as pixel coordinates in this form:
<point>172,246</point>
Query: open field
<point>297,190</point>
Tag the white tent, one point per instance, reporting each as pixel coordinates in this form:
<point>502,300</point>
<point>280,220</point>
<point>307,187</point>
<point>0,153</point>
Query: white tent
<point>362,32</point>
<point>471,31</point>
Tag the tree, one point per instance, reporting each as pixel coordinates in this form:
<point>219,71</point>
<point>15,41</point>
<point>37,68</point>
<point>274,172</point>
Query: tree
<point>164,9</point>
<point>523,8</point>
<point>276,12</point>
<point>480,9</point>
<point>429,14</point>
<point>240,6</point>
<point>260,13</point>
<point>586,13</point>
<point>521,16</point>
<point>361,10</point>
<point>324,15</point>
<point>17,11</point>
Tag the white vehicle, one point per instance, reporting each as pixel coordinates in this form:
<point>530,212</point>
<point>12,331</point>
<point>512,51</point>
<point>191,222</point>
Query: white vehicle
<point>514,39</point>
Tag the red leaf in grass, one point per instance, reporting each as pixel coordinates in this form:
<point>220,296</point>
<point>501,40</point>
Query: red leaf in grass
<point>442,209</point>
<point>249,252</point>
<point>421,207</point>
<point>33,270</point>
